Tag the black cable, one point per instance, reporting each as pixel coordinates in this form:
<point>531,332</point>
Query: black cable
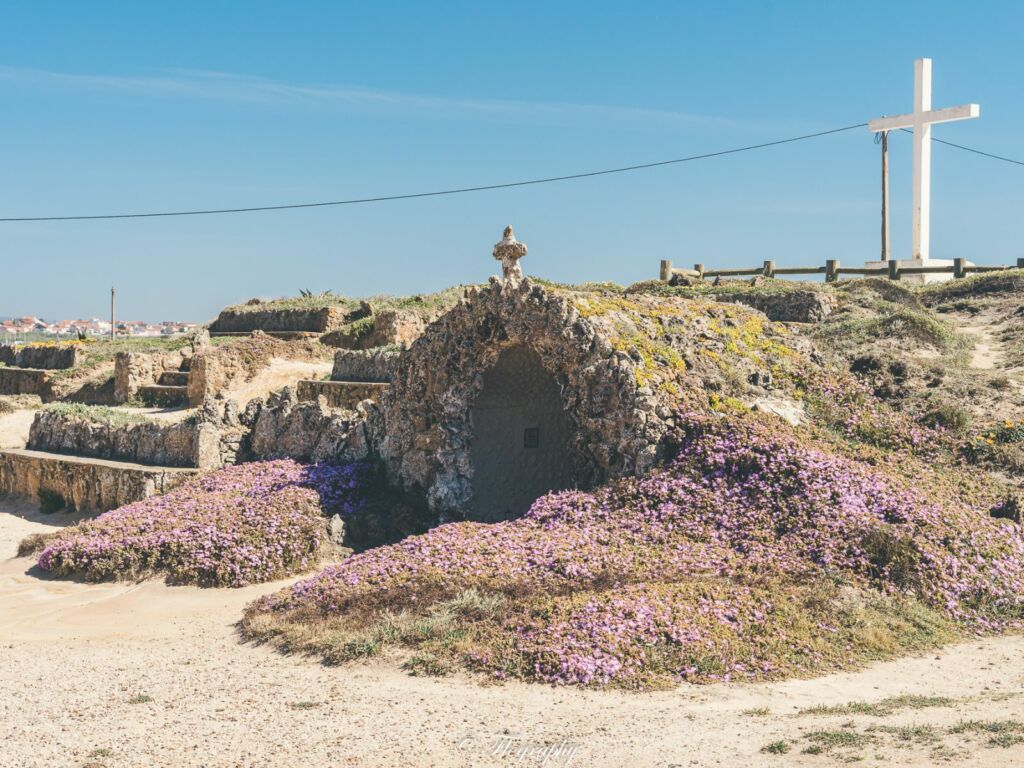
<point>442,192</point>
<point>969,149</point>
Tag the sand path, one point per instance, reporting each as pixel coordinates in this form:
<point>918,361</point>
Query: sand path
<point>151,675</point>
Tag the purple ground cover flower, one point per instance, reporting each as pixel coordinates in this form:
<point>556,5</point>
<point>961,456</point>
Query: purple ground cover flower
<point>702,570</point>
<point>236,526</point>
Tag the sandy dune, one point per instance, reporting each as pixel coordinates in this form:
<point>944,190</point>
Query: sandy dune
<point>151,675</point>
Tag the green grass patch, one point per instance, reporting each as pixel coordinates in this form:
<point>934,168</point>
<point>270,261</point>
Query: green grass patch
<point>776,748</point>
<point>1009,281</point>
<point>881,708</point>
<point>98,414</point>
<point>988,726</point>
<point>838,739</point>
<point>906,734</point>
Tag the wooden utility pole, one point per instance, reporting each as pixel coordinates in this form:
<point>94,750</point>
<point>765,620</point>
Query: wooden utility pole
<point>885,196</point>
<point>112,314</point>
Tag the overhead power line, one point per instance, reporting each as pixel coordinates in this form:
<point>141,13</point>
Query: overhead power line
<point>459,191</point>
<point>971,149</point>
<point>485,187</point>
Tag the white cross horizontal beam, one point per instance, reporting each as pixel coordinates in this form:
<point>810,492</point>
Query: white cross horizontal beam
<point>947,115</point>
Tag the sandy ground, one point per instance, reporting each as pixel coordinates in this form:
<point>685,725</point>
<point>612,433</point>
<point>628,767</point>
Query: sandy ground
<point>150,675</point>
<point>14,428</point>
<point>279,374</point>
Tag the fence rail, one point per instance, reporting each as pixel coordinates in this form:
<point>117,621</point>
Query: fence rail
<point>833,270</point>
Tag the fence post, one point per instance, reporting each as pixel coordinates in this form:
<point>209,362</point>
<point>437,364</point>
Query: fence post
<point>894,269</point>
<point>699,269</point>
<point>831,270</point>
<point>958,268</point>
<point>769,268</point>
<point>666,270</point>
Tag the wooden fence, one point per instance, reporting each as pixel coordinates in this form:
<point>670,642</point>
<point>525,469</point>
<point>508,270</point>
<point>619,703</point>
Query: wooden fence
<point>833,270</point>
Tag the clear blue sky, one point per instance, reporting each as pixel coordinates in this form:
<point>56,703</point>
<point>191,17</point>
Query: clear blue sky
<point>128,106</point>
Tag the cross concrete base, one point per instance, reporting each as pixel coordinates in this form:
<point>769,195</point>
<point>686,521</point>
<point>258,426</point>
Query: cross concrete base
<point>919,279</point>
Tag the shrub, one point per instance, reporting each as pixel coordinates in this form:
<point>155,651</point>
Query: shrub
<point>947,416</point>
<point>237,526</point>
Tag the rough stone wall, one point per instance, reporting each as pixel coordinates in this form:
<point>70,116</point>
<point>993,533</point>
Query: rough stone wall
<point>211,440</point>
<point>203,378</point>
<point>340,394</point>
<point>132,370</point>
<point>364,365</point>
<point>156,443</point>
<point>788,306</point>
<point>22,381</point>
<point>269,319</point>
<point>87,485</point>
<point>306,431</point>
<point>423,429</point>
<point>388,327</point>
<point>48,357</point>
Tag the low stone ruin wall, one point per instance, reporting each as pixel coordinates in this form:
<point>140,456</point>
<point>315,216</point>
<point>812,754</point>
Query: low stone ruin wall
<point>786,307</point>
<point>192,443</point>
<point>284,427</point>
<point>48,357</point>
<point>364,365</point>
<point>86,485</point>
<point>22,381</point>
<point>309,320</point>
<point>340,394</point>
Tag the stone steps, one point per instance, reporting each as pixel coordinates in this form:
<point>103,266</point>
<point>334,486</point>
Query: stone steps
<point>164,395</point>
<point>84,484</point>
<point>341,394</point>
<point>173,379</point>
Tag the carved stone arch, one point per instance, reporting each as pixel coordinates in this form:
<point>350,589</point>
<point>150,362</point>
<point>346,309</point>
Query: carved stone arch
<point>425,430</point>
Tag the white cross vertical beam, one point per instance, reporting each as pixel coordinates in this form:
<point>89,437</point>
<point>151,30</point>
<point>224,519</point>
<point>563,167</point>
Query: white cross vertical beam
<point>921,121</point>
<point>922,159</point>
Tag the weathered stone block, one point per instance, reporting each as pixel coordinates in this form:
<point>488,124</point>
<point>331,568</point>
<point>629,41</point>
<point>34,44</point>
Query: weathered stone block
<point>364,365</point>
<point>87,485</point>
<point>340,394</point>
<point>22,381</point>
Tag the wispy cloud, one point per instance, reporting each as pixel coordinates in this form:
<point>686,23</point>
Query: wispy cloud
<point>227,87</point>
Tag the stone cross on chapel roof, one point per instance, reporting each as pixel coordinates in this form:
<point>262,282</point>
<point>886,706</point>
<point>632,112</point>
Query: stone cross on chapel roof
<point>509,251</point>
<point>921,120</point>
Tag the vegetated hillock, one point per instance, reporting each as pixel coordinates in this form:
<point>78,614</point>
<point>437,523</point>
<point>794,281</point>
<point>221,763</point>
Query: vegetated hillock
<point>947,354</point>
<point>326,311</point>
<point>757,553</point>
<point>236,526</point>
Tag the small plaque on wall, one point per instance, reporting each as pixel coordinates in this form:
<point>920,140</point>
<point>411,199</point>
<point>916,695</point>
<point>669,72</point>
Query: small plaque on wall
<point>531,437</point>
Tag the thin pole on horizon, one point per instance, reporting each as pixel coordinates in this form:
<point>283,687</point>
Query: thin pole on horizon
<point>112,334</point>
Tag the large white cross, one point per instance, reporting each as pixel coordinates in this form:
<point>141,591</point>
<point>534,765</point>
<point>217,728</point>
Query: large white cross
<point>921,121</point>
